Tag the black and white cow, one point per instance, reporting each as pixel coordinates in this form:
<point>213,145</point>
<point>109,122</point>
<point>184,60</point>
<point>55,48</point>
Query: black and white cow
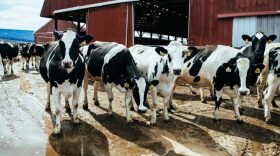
<point>254,52</point>
<point>273,80</point>
<point>224,68</point>
<point>8,52</point>
<point>25,54</point>
<point>112,64</point>
<point>36,51</point>
<point>62,66</point>
<point>158,66</point>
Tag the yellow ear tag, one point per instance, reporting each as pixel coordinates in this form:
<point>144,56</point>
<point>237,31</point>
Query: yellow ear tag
<point>84,43</point>
<point>151,87</point>
<point>189,53</point>
<point>246,41</point>
<point>162,53</point>
<point>257,71</point>
<point>126,85</point>
<point>269,41</point>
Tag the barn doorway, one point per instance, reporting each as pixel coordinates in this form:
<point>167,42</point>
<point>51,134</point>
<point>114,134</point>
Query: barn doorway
<point>157,22</point>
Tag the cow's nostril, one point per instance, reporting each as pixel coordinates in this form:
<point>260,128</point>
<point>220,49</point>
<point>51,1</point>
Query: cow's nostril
<point>67,64</point>
<point>177,71</point>
<point>243,93</point>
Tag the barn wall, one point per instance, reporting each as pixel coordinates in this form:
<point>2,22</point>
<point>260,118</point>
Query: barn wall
<point>51,5</point>
<point>205,27</point>
<point>108,23</point>
<point>243,25</point>
<point>45,33</point>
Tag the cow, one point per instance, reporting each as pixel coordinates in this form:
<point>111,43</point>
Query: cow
<point>273,80</point>
<point>62,67</point>
<point>224,68</point>
<point>157,65</point>
<point>25,54</point>
<point>254,52</point>
<point>111,63</point>
<point>8,52</point>
<point>36,51</point>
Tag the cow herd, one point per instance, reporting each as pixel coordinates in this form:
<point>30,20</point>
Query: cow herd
<point>67,64</point>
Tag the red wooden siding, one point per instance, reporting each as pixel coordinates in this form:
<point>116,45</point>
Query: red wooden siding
<point>108,23</point>
<point>51,5</point>
<point>205,27</point>
<point>45,33</point>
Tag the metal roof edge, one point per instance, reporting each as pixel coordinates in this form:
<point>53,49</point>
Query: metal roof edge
<point>93,6</point>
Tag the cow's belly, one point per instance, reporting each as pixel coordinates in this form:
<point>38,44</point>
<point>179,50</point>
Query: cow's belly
<point>67,89</point>
<point>188,79</point>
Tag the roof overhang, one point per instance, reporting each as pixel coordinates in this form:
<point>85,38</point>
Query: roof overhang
<point>247,14</point>
<point>85,7</point>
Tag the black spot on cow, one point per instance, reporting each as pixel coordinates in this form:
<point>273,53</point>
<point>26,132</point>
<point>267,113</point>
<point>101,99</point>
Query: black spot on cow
<point>189,64</point>
<point>154,83</point>
<point>155,70</point>
<point>165,69</point>
<point>196,79</point>
<point>201,56</point>
<point>169,58</point>
<point>140,52</point>
<point>161,51</point>
<point>160,60</point>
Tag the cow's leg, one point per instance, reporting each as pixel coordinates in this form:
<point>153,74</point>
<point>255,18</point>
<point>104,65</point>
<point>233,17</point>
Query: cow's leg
<point>56,96</point>
<point>4,61</point>
<point>75,101</point>
<point>8,65</point>
<point>47,107</point>
<point>27,63</point>
<point>171,99</point>
<point>267,100</point>
<point>260,86</point>
<point>37,61</point>
<point>108,89</point>
<point>202,97</point>
<point>96,85</point>
<point>32,59</point>
<point>85,87</point>
<point>218,101</point>
<point>11,63</point>
<point>128,98</point>
<point>192,91</point>
<point>235,102</point>
<point>155,102</point>
<point>165,107</point>
<point>23,59</point>
<point>67,107</point>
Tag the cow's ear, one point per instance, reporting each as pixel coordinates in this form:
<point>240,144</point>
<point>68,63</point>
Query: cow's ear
<point>271,38</point>
<point>85,38</point>
<point>257,68</point>
<point>194,49</point>
<point>161,51</point>
<point>246,38</point>
<point>58,35</point>
<point>229,67</point>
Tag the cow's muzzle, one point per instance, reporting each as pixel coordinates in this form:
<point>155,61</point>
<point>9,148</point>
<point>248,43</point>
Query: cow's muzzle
<point>177,71</point>
<point>244,92</point>
<point>67,64</point>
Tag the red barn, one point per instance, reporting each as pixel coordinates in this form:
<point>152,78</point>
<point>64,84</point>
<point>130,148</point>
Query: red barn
<point>157,21</point>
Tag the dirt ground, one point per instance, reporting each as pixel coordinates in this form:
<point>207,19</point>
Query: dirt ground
<point>26,128</point>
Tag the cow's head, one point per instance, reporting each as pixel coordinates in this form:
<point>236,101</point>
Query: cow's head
<point>176,52</point>
<point>69,44</point>
<point>244,72</point>
<point>259,41</point>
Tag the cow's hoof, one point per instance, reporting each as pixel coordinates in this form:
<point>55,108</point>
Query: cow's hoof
<point>5,73</point>
<point>55,135</point>
<point>239,121</point>
<point>268,120</point>
<point>171,111</point>
<point>68,110</point>
<point>260,106</point>
<point>241,111</point>
<point>274,104</point>
<point>77,122</point>
<point>141,111</point>
<point>166,120</point>
<point>47,109</point>
<point>96,103</point>
<point>132,108</point>
<point>22,68</point>
<point>151,123</point>
<point>217,121</point>
<point>203,101</point>
<point>85,107</point>
<point>147,105</point>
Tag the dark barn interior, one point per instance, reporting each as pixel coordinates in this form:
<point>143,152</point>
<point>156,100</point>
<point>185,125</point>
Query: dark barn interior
<point>158,21</point>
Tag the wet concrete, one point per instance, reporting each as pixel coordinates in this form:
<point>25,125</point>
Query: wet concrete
<point>26,129</point>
